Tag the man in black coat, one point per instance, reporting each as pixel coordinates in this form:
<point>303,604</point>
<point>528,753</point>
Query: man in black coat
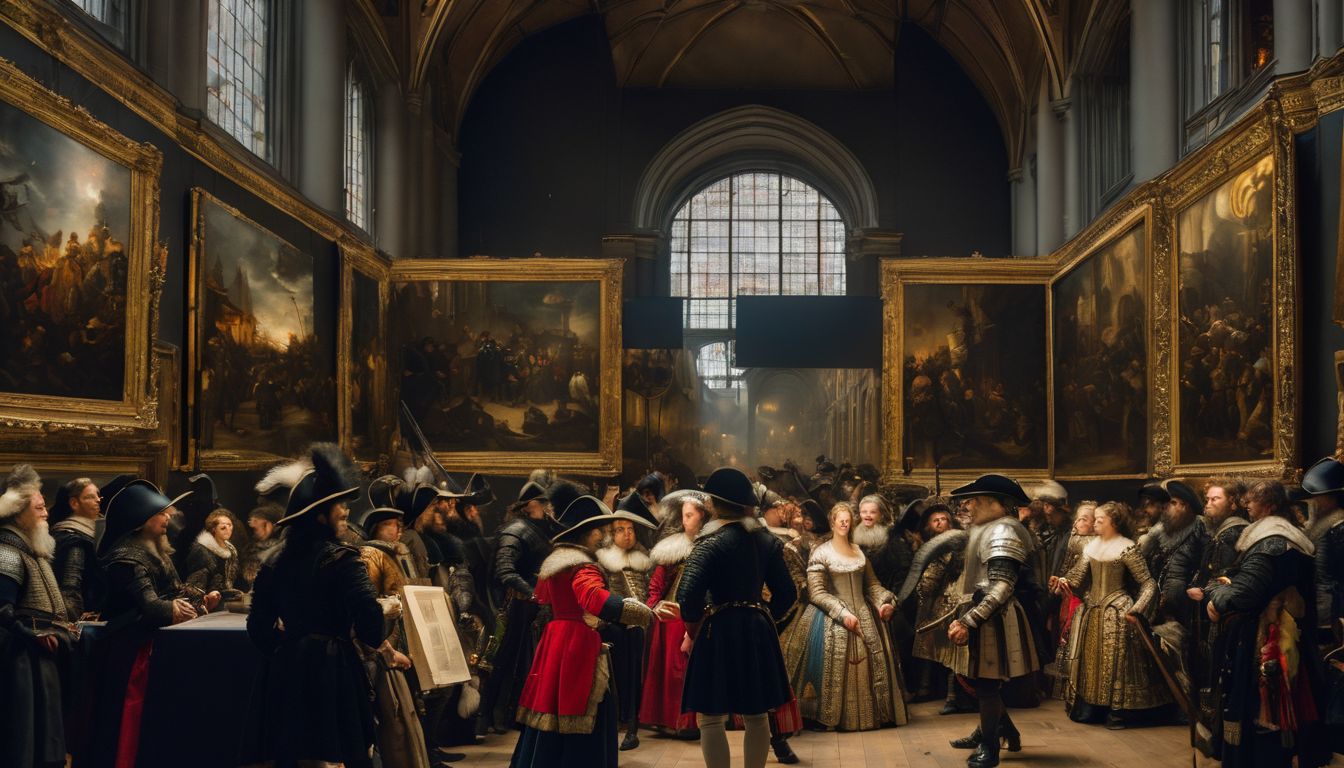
<point>74,516</point>
<point>736,666</point>
<point>1173,550</point>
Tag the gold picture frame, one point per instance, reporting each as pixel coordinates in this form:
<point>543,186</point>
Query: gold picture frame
<point>1141,208</point>
<point>605,274</point>
<point>360,260</point>
<point>1257,150</point>
<point>896,276</point>
<point>145,265</point>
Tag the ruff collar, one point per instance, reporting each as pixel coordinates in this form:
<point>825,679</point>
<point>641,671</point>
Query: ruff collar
<point>1274,525</point>
<point>614,559</point>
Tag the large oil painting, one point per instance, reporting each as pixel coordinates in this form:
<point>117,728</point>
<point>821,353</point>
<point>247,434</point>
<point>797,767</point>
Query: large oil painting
<point>363,354</point>
<point>511,364</point>
<point>973,373</point>
<point>1225,333</point>
<point>79,274</point>
<point>265,385</point>
<point>1101,360</point>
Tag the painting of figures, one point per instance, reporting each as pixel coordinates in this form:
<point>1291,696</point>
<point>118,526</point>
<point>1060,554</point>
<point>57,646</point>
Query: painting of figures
<point>510,364</point>
<point>265,389</point>
<point>974,372</point>
<point>368,428</point>
<point>65,229</point>
<point>1225,246</point>
<point>1101,361</point>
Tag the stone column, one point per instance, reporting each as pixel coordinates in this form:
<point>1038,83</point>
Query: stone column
<point>1049,175</point>
<point>1073,169</point>
<point>1023,188</point>
<point>1153,109</point>
<point>390,194</point>
<point>1328,28</point>
<point>321,102</point>
<point>1292,35</point>
<point>175,50</point>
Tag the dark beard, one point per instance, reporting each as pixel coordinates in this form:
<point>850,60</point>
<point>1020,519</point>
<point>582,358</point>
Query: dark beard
<point>463,528</point>
<point>1173,522</point>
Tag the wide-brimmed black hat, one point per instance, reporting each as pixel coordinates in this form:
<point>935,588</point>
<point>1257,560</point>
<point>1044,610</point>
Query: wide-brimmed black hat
<point>1154,491</point>
<point>325,476</point>
<point>112,488</point>
<point>414,501</point>
<point>917,513</point>
<point>130,508</point>
<point>1325,476</point>
<point>531,490</point>
<point>377,515</point>
<point>582,514</point>
<point>633,508</point>
<point>1005,488</point>
<point>653,483</point>
<point>1178,490</point>
<point>732,486</point>
<point>477,492</point>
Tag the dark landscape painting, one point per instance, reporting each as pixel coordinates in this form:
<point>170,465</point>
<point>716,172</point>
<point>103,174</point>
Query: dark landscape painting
<point>65,220</point>
<point>367,427</point>
<point>500,365</point>
<point>1101,361</point>
<point>974,376</point>
<point>263,388</point>
<point>1225,240</point>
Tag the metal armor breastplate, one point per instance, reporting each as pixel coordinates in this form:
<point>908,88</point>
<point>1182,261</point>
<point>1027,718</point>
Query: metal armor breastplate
<point>41,595</point>
<point>987,541</point>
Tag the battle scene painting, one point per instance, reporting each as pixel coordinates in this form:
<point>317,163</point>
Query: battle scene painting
<point>262,386</point>
<point>501,365</point>
<point>1101,361</point>
<point>65,226</point>
<point>367,427</point>
<point>1225,242</point>
<point>974,376</point>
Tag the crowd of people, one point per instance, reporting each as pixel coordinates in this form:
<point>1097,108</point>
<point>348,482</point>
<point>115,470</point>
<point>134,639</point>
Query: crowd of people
<point>685,611</point>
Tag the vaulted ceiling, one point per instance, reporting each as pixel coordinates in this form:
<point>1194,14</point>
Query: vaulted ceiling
<point>1004,46</point>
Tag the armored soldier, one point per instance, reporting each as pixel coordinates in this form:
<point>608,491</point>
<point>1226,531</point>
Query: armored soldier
<point>993,631</point>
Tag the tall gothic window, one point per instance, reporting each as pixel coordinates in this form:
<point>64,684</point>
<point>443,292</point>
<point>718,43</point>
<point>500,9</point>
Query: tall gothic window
<point>750,234</point>
<point>111,18</point>
<point>358,145</point>
<point>236,57</point>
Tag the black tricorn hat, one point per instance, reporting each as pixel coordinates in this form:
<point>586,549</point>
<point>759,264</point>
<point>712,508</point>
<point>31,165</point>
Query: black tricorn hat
<point>1179,490</point>
<point>383,491</point>
<point>1325,476</point>
<point>1003,487</point>
<point>582,514</point>
<point>633,508</point>
<point>128,511</point>
<point>731,485</point>
<point>110,489</point>
<point>531,490</point>
<point>477,492</point>
<point>377,515</point>
<point>414,501</point>
<point>1154,491</point>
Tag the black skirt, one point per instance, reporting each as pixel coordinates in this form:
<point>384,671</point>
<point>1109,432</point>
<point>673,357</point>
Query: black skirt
<point>628,652</point>
<point>544,749</point>
<point>512,664</point>
<point>31,731</point>
<point>736,665</point>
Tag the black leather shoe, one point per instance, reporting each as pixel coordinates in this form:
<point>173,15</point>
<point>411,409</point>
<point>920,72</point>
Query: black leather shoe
<point>983,758</point>
<point>1114,722</point>
<point>783,752</point>
<point>967,742</point>
<point>1010,736</point>
<point>630,741</point>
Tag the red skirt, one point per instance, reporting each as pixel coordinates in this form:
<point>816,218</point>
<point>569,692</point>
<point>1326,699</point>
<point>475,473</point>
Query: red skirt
<point>665,677</point>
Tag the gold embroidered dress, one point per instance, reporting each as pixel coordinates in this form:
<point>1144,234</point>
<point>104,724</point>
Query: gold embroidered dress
<point>842,679</point>
<point>1107,663</point>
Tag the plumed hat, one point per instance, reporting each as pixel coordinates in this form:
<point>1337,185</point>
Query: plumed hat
<point>1003,487</point>
<point>531,490</point>
<point>583,514</point>
<point>732,486</point>
<point>562,493</point>
<point>325,476</point>
<point>130,508</point>
<point>22,483</point>
<point>414,501</point>
<point>633,508</point>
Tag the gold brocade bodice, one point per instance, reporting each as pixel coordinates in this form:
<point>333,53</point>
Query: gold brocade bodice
<point>1110,578</point>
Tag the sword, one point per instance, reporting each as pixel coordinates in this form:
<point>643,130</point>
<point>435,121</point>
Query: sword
<point>1145,633</point>
<point>427,453</point>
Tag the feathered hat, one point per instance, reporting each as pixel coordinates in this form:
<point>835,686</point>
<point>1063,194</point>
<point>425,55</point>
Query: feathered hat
<point>20,486</point>
<point>326,475</point>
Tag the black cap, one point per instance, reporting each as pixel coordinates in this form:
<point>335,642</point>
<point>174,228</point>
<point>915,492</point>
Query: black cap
<point>731,485</point>
<point>633,508</point>
<point>377,515</point>
<point>531,490</point>
<point>1154,491</point>
<point>128,511</point>
<point>1178,490</point>
<point>1003,487</point>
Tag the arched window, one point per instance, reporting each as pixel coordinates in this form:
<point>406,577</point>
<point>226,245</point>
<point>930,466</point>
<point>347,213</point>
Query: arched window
<point>750,234</point>
<point>358,149</point>
<point>236,56</point>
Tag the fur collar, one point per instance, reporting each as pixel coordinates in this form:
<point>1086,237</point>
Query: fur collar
<point>748,524</point>
<point>73,524</point>
<point>1317,528</point>
<point>225,550</point>
<point>1106,551</point>
<point>870,538</point>
<point>562,558</point>
<point>614,559</point>
<point>1157,536</point>
<point>825,556</point>
<point>1273,525</point>
<point>672,550</point>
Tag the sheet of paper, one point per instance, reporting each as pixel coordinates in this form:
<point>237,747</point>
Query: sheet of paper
<point>436,650</point>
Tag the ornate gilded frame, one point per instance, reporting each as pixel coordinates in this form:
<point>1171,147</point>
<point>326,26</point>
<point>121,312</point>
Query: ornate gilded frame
<point>607,273</point>
<point>1143,207</point>
<point>895,275</point>
<point>359,257</point>
<point>60,467</point>
<point>1263,132</point>
<point>213,459</point>
<point>146,262</point>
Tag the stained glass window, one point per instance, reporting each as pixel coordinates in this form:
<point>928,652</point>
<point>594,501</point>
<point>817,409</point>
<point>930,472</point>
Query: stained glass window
<point>236,52</point>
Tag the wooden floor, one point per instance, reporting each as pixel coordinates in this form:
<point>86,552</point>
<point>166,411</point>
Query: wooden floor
<point>1049,738</point>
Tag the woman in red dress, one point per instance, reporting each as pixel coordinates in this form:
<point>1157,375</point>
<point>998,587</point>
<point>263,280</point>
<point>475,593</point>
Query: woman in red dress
<point>666,675</point>
<point>566,705</point>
